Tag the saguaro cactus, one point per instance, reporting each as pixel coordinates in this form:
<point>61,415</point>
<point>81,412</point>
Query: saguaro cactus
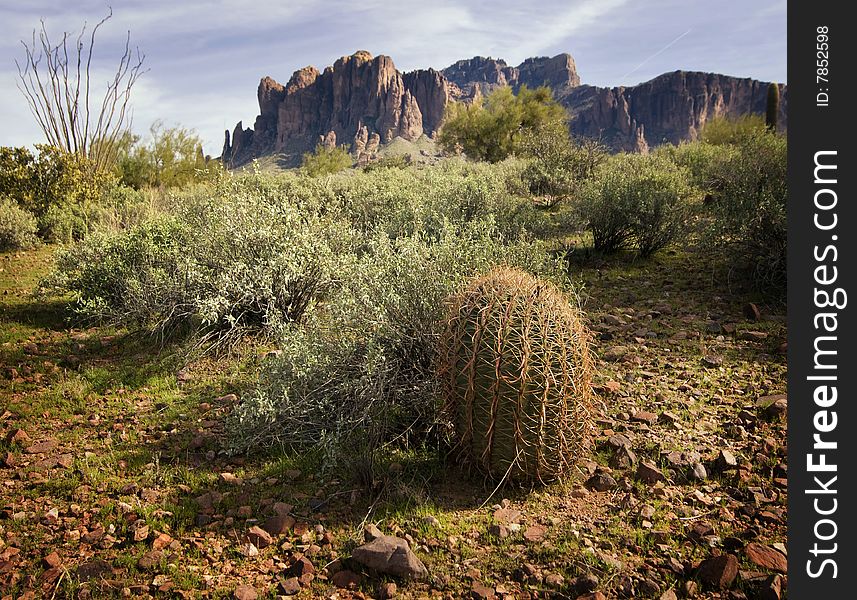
<point>772,108</point>
<point>515,366</point>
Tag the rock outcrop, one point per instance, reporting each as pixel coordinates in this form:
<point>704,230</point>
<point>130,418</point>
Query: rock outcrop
<point>349,103</point>
<point>668,109</point>
<point>363,102</point>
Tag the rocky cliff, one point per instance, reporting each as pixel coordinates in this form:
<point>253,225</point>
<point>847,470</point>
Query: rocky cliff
<point>668,109</point>
<point>362,102</point>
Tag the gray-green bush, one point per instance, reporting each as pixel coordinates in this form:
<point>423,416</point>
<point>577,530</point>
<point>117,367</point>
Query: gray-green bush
<point>639,200</point>
<point>18,227</point>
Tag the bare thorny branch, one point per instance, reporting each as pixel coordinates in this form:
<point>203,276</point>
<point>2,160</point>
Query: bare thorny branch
<point>52,79</point>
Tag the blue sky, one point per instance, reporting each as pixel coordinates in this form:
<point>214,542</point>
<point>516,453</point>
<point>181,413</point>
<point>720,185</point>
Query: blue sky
<point>205,58</point>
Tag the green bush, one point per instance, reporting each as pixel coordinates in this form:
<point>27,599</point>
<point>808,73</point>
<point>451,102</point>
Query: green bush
<point>172,158</point>
<point>492,130</point>
<point>326,161</point>
<point>637,199</point>
<point>17,227</point>
<point>219,267</point>
<point>58,188</point>
<point>749,209</point>
<point>558,164</point>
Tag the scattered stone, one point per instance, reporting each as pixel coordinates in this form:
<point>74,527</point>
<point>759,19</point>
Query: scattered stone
<point>371,532</point>
<point>698,472</point>
<point>643,416</point>
<point>289,586</point>
<point>245,592</point>
<point>766,557</point>
<point>249,550</point>
<point>775,407</point>
<point>623,458</point>
<point>162,541</point>
<point>554,580</point>
<point>772,588</point>
<point>391,555</point>
<point>259,537</point>
<point>41,447</point>
<point>507,515</point>
<point>753,336</point>
<point>669,595</point>
<point>303,569</point>
<point>725,460</point>
<point>281,509</point>
<point>19,437</point>
<point>619,440</point>
<point>592,596</point>
<point>498,530</point>
<point>615,353</point>
<point>346,579</point>
<point>52,560</point>
<point>648,473</point>
<point>719,571</point>
<point>230,478</point>
<point>150,560</point>
<point>431,521</point>
<point>712,361</point>
<point>93,569</point>
<point>278,525</point>
<point>535,533</point>
<point>479,591</point>
<point>388,590</point>
<point>601,482</point>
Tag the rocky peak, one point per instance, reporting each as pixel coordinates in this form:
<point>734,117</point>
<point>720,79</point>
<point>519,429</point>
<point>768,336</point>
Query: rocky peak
<point>558,73</point>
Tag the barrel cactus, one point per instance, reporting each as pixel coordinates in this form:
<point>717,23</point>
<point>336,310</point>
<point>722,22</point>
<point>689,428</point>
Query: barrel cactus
<point>515,370</point>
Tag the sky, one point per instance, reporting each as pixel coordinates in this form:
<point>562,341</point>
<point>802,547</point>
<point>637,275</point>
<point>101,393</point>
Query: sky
<point>204,58</point>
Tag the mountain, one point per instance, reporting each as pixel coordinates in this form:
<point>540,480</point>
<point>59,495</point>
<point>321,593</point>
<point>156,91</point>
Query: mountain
<point>364,102</point>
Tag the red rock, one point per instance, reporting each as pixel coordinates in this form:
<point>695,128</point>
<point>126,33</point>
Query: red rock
<point>592,596</point>
<point>150,560</point>
<point>479,591</point>
<point>259,537</point>
<point>535,533</point>
<point>279,524</point>
<point>766,557</point>
<point>645,417</point>
<point>289,586</point>
<point>162,541</point>
<point>346,579</point>
<point>52,560</point>
<point>245,592</point>
<point>719,571</point>
<point>388,591</point>
<point>41,447</point>
<point>647,472</point>
<point>19,437</point>
<point>507,516</point>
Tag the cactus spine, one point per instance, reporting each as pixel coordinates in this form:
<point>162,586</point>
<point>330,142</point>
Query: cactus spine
<point>515,367</point>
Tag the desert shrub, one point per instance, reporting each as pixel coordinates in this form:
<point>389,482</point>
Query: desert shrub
<point>636,199</point>
<point>360,375</point>
<point>171,158</point>
<point>703,161</point>
<point>558,164</point>
<point>326,161</point>
<point>17,227</point>
<point>395,161</point>
<point>491,130</point>
<point>219,267</point>
<point>749,208</point>
<point>58,188</point>
<point>732,130</point>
